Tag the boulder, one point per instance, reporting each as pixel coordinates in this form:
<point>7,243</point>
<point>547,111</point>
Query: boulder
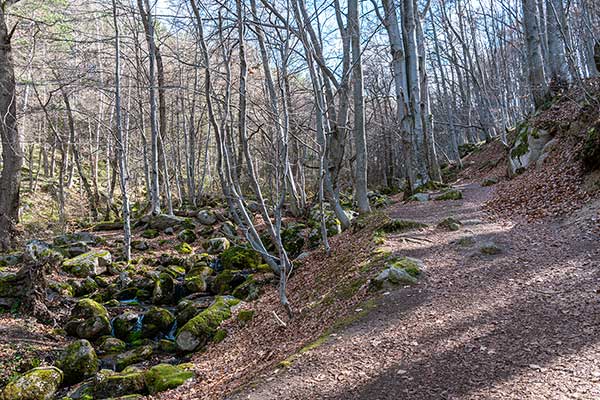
<point>110,345</point>
<point>217,245</point>
<point>149,234</point>
<point>139,245</point>
<point>195,279</point>
<point>450,224</point>
<point>38,250</point>
<point>188,309</point>
<point>109,384</point>
<point>187,236</point>
<point>165,376</point>
<point>228,229</point>
<point>452,194</point>
<point>206,217</point>
<point>88,320</point>
<point>527,149</point>
<point>489,182</point>
<point>239,258</point>
<point>156,320</point>
<point>84,287</point>
<point>78,361</point>
<point>490,249</point>
<point>94,262</point>
<point>78,237</point>
<point>125,326</point>
<point>392,276</point>
<point>420,197</point>
<point>9,260</point>
<point>132,356</point>
<point>36,384</point>
<point>164,289</point>
<point>198,331</point>
<point>163,221</point>
<point>226,281</point>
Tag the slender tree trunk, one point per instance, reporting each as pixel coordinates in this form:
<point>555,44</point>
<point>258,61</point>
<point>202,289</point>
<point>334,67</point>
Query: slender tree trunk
<point>537,78</point>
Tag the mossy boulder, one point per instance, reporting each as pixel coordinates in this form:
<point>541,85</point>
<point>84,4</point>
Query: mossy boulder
<point>94,262</point>
<point>401,225</point>
<point>156,320</point>
<point>197,260</point>
<point>84,287</point>
<point>164,289</point>
<point>163,377</point>
<point>184,248</point>
<point>452,194</point>
<point>133,356</point>
<point>125,325</point>
<point>187,236</point>
<point>420,197</point>
<point>527,148</point>
<point>36,384</point>
<point>149,233</point>
<point>413,266</point>
<point>109,384</point>
<point>226,281</point>
<point>195,279</point>
<point>163,221</point>
<point>78,361</point>
<point>489,182</point>
<point>188,309</point>
<point>450,224</point>
<point>240,258</point>
<point>198,331</point>
<point>229,229</point>
<point>249,290</point>
<point>490,249</point>
<point>292,239</point>
<point>245,316</point>
<point>217,245</point>
<point>111,345</point>
<point>88,320</point>
<point>399,271</point>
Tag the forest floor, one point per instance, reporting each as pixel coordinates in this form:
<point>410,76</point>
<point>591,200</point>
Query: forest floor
<point>520,324</point>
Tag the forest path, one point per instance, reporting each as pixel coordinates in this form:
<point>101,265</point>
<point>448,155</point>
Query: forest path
<point>522,324</point>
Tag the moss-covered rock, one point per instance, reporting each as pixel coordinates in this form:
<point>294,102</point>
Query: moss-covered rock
<point>164,289</point>
<point>197,260</point>
<point>249,290</point>
<point>35,384</point>
<point>240,258</point>
<point>245,315</point>
<point>156,320</point>
<point>163,221</point>
<point>125,325</point>
<point>94,262</point>
<point>490,249</point>
<point>401,225</point>
<point>78,361</point>
<point>419,197</point>
<point>187,236</point>
<point>489,182</point>
<point>206,217</point>
<point>165,376</point>
<point>188,309</point>
<point>398,271</point>
<point>452,194</point>
<point>226,281</point>
<point>413,266</point>
<point>195,279</point>
<point>217,245</point>
<point>111,345</point>
<point>88,320</point>
<point>84,287</point>
<point>150,234</point>
<point>450,224</point>
<point>110,384</point>
<point>198,331</point>
<point>184,248</point>
<point>132,356</point>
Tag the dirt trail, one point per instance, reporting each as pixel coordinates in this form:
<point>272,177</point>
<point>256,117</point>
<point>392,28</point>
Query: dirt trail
<point>522,324</point>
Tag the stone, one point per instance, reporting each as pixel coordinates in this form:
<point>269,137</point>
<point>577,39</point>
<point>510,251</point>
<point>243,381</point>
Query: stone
<point>450,224</point>
<point>420,197</point>
<point>88,320</point>
<point>163,377</point>
<point>132,356</point>
<point>206,217</point>
<point>156,320</point>
<point>84,287</point>
<point>109,384</point>
<point>489,182</point>
<point>125,325</point>
<point>163,221</point>
<point>78,361</point>
<point>110,345</point>
<point>150,233</point>
<point>187,236</point>
<point>36,384</point>
<point>164,289</point>
<point>527,149</point>
<point>198,331</point>
<point>240,258</point>
<point>452,194</point>
<point>226,281</point>
<point>139,245</point>
<point>217,245</point>
<point>228,228</point>
<point>94,262</point>
<point>490,249</point>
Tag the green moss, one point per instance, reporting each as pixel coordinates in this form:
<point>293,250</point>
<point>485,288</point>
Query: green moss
<point>36,384</point>
<point>408,264</point>
<point>400,225</point>
<point>245,315</point>
<point>431,186</point>
<point>184,248</point>
<point>165,376</point>
<point>78,361</point>
<point>238,257</point>
<point>220,335</point>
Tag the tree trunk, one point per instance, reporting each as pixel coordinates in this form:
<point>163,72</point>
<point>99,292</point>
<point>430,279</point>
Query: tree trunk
<point>537,78</point>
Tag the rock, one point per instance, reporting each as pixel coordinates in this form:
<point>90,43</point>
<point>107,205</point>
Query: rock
<point>78,237</point>
<point>217,245</point>
<point>527,149</point>
<point>132,356</point>
<point>169,231</point>
<point>129,293</point>
<point>38,250</point>
<point>36,384</point>
<point>195,279</point>
<point>88,320</point>
<point>452,194</point>
<point>393,276</point>
<point>188,309</point>
<point>139,245</point>
<point>78,361</point>
<point>110,345</point>
<point>450,224</point>
<point>198,260</point>
<point>548,147</point>
<point>156,320</point>
<point>198,331</point>
<point>165,376</point>
<point>108,226</point>
<point>245,316</point>
<point>489,182</point>
<point>239,258</point>
<point>490,249</point>
<point>248,291</point>
<point>94,262</point>
<point>109,384</point>
<point>125,326</point>
<point>84,287</point>
<point>402,225</point>
<point>76,249</point>
<point>226,281</point>
<point>163,221</point>
<point>164,289</point>
<point>150,233</point>
<point>184,248</point>
<point>292,239</point>
<point>228,228</point>
<point>420,197</point>
<point>206,217</point>
<point>187,236</point>
<point>9,260</point>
